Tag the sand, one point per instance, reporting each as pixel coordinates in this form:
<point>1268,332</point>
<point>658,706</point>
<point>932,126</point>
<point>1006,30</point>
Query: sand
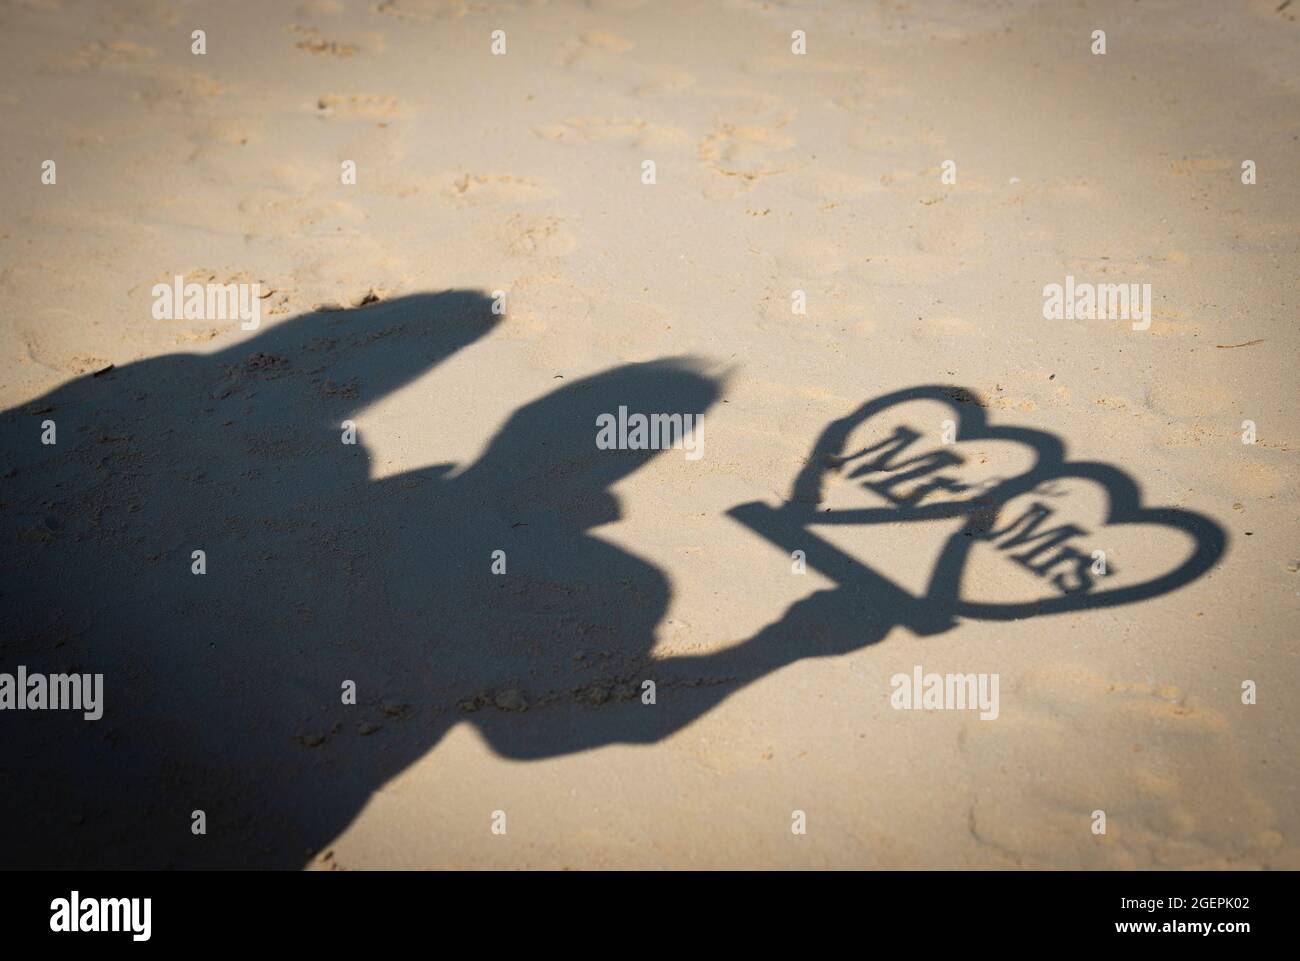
<point>780,180</point>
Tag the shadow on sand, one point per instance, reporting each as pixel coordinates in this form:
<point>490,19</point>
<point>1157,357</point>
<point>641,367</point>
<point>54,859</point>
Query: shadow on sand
<point>222,692</point>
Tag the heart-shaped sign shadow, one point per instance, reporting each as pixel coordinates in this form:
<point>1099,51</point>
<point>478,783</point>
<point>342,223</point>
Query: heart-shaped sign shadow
<point>1042,540</point>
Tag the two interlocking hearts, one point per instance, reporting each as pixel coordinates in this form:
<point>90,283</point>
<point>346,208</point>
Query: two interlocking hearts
<point>1051,521</point>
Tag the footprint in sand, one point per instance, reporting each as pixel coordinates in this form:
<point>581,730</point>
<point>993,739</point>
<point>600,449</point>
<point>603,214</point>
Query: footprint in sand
<point>492,189</point>
<point>736,150</point>
<point>747,143</point>
<point>531,236</point>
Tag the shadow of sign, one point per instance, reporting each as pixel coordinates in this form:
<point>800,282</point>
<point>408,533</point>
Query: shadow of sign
<point>916,485</point>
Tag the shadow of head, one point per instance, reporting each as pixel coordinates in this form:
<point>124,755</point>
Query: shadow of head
<point>369,352</point>
<point>267,403</point>
<point>351,356</point>
<point>548,448</point>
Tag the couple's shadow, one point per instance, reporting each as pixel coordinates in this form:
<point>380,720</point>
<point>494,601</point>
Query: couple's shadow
<point>225,692</point>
